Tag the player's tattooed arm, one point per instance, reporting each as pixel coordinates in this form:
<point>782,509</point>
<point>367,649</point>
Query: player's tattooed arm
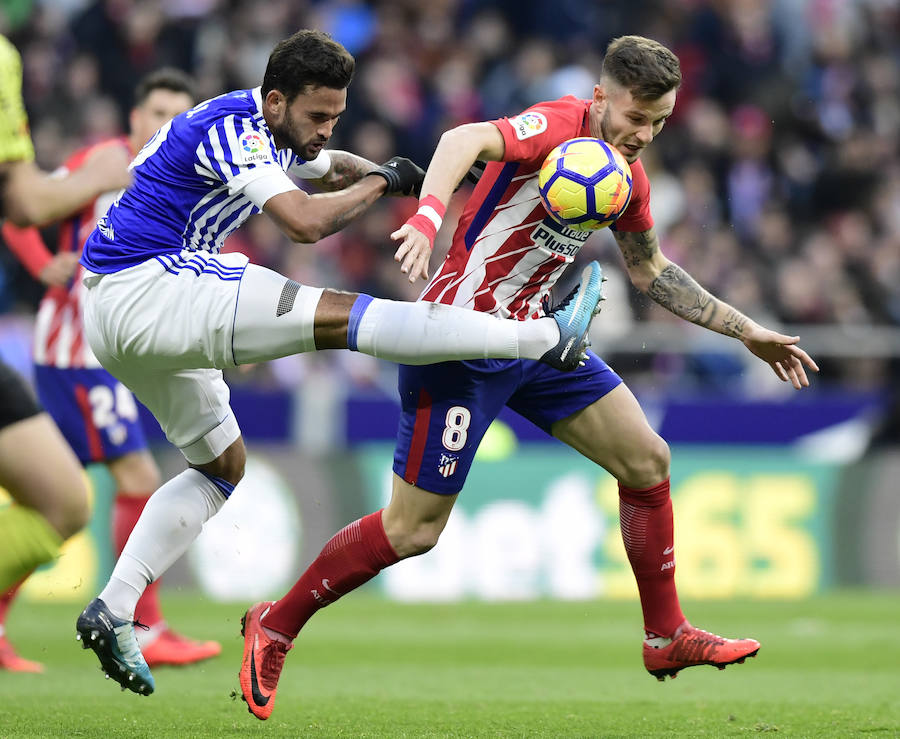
<point>339,220</point>
<point>346,168</point>
<point>638,247</point>
<point>673,288</point>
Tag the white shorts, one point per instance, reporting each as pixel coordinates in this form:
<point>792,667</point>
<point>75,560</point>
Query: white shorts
<point>167,327</point>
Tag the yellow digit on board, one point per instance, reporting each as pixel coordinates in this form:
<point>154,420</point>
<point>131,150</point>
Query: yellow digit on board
<point>786,560</point>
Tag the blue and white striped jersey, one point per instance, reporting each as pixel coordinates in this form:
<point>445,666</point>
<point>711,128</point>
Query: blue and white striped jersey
<point>199,178</point>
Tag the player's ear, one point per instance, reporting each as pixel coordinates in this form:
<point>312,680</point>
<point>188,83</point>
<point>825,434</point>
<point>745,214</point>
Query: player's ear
<point>276,102</point>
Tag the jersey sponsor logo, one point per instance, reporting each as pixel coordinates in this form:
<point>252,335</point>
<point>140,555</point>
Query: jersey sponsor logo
<point>253,148</point>
<point>558,239</point>
<point>448,464</point>
<point>529,124</point>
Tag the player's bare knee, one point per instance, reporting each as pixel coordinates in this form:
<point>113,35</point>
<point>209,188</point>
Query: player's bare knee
<point>414,538</point>
<point>72,512</point>
<point>135,473</point>
<point>647,465</point>
<point>421,539</point>
<point>229,465</point>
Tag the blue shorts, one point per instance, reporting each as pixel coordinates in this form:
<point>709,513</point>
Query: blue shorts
<point>96,413</point>
<point>447,408</point>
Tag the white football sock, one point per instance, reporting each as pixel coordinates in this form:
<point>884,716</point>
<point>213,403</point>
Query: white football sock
<point>169,523</point>
<point>424,333</point>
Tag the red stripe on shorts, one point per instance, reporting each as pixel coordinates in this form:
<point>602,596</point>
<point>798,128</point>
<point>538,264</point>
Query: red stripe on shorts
<point>419,438</point>
<point>95,444</point>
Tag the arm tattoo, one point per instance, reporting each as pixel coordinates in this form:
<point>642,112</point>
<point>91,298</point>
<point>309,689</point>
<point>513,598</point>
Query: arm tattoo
<point>734,323</point>
<point>339,220</point>
<point>637,246</point>
<point>675,290</point>
<point>346,168</point>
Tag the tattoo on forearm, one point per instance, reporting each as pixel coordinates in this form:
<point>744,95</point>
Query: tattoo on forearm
<point>637,247</point>
<point>339,220</point>
<point>345,169</point>
<point>734,323</point>
<point>675,290</point>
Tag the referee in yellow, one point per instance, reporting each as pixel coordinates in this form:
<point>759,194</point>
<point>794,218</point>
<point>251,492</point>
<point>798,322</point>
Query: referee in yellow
<point>37,467</point>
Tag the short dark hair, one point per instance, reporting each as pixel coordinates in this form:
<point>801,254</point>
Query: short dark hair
<point>646,68</point>
<point>165,78</point>
<point>307,58</point>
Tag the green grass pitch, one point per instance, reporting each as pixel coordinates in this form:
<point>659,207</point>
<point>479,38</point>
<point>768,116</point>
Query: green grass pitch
<point>829,666</point>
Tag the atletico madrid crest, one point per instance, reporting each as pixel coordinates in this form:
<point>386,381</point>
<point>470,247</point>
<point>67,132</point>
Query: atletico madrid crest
<point>448,464</point>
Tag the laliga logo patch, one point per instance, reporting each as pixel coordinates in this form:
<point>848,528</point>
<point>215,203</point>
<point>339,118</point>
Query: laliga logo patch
<point>253,148</point>
<point>529,124</point>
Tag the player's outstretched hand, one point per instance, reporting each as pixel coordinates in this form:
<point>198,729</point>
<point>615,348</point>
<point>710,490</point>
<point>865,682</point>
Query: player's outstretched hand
<point>413,253</point>
<point>403,176</point>
<point>782,354</point>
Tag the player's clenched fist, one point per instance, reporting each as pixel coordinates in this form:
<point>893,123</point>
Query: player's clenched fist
<point>403,176</point>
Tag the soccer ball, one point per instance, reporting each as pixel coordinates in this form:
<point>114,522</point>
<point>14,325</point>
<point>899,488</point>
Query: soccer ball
<point>585,184</point>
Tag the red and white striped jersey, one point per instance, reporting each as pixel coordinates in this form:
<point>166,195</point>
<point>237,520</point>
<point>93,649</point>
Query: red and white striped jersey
<point>58,332</point>
<point>507,252</point>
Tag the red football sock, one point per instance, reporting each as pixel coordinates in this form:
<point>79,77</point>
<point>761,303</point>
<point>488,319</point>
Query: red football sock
<point>647,530</point>
<point>126,512</point>
<point>8,597</point>
<point>353,556</point>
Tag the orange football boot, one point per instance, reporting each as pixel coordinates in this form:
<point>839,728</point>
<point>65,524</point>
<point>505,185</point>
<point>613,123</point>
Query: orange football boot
<point>691,646</point>
<point>262,663</point>
<point>12,662</point>
<point>170,648</point>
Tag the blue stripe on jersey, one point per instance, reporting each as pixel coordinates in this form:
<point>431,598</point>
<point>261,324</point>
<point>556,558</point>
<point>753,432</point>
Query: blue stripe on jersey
<point>229,220</point>
<point>180,197</point>
<point>198,265</point>
<point>490,202</point>
<point>194,234</point>
<point>356,313</point>
<point>225,143</point>
<point>226,273</point>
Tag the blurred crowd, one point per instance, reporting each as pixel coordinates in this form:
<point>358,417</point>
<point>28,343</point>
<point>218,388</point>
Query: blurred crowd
<point>776,184</point>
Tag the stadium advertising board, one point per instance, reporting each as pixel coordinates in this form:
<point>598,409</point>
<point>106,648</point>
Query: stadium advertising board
<point>543,522</point>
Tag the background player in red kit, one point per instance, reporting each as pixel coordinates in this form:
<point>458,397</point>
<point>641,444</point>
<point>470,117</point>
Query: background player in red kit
<point>505,257</point>
<point>96,413</point>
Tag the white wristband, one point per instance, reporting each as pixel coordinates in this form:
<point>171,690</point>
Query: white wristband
<point>431,214</point>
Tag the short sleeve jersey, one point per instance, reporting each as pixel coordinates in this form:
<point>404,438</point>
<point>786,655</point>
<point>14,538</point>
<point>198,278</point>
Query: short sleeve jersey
<point>15,140</point>
<point>195,181</point>
<point>507,252</point>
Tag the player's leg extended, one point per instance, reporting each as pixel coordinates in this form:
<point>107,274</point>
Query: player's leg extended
<point>276,316</point>
<point>614,433</point>
<point>409,525</point>
<point>137,476</point>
